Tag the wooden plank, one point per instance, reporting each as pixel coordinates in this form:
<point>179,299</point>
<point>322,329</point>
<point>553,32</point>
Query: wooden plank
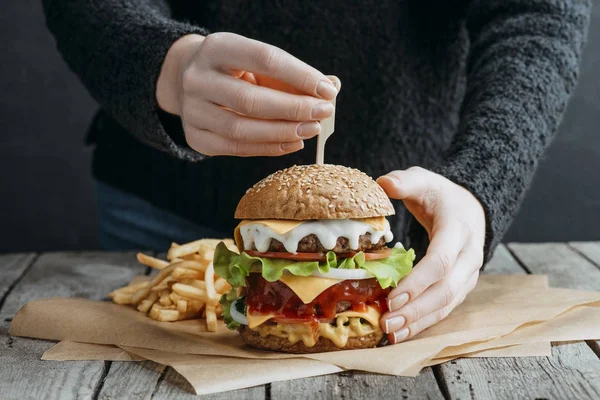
<point>12,267</point>
<point>130,380</point>
<point>564,266</point>
<point>174,386</point>
<point>89,275</point>
<point>572,371</point>
<point>503,263</point>
<point>355,385</point>
<point>591,250</point>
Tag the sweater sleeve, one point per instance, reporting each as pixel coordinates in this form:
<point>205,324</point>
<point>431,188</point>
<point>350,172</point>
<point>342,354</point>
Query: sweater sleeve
<point>523,66</point>
<point>116,48</point>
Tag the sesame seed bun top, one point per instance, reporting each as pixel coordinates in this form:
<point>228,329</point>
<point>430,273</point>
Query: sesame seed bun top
<point>305,192</point>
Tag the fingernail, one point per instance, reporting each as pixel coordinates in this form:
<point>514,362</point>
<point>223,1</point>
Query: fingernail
<point>395,323</point>
<point>292,146</point>
<point>326,90</point>
<point>399,336</point>
<point>321,110</point>
<point>308,130</point>
<point>397,302</point>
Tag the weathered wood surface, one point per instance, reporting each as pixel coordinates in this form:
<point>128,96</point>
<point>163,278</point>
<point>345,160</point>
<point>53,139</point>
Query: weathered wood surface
<point>573,265</point>
<point>174,386</point>
<point>357,385</point>
<point>572,372</point>
<point>565,375</point>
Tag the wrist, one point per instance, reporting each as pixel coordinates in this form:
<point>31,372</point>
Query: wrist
<point>177,59</point>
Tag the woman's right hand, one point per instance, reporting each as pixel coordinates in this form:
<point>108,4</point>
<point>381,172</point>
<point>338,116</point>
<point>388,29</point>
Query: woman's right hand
<point>237,96</point>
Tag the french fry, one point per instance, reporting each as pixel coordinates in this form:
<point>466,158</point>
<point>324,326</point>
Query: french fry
<point>222,286</point>
<point>122,298</point>
<point>164,298</point>
<point>192,247</point>
<point>151,261</point>
<point>163,314</point>
<point>147,303</point>
<point>183,273</point>
<point>211,318</point>
<point>196,306</point>
<point>209,279</point>
<point>184,287</point>
<point>198,284</point>
<point>189,291</point>
<point>182,306</point>
<point>143,292</point>
<point>164,285</point>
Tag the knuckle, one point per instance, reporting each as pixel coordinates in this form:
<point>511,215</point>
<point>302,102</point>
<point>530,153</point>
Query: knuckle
<point>236,130</point>
<point>297,110</point>
<point>236,149</point>
<point>270,59</point>
<point>448,295</point>
<point>246,101</point>
<point>189,80</point>
<point>430,200</point>
<point>444,312</point>
<point>212,41</point>
<point>416,168</point>
<point>308,83</point>
<point>442,265</point>
<point>413,314</point>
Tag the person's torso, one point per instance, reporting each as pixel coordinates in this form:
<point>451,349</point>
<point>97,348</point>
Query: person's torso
<point>402,65</point>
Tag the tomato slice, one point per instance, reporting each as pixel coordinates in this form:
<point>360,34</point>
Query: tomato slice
<point>287,256</point>
<point>371,255</point>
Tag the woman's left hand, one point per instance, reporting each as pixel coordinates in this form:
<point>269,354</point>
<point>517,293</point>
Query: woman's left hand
<point>455,222</point>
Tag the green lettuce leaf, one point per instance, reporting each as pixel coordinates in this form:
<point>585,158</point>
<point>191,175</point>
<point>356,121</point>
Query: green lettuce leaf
<point>236,267</point>
<point>226,302</point>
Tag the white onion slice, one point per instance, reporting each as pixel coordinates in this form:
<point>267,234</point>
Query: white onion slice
<point>344,274</point>
<point>236,315</point>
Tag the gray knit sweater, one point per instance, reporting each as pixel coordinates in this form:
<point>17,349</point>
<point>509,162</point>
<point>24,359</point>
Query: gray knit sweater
<point>473,90</point>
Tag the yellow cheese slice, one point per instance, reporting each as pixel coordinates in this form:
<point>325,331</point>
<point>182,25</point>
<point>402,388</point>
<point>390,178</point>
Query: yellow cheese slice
<point>307,288</point>
<point>256,320</point>
<point>371,315</point>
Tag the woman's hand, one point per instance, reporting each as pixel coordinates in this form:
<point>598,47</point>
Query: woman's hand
<point>238,96</point>
<point>455,222</point>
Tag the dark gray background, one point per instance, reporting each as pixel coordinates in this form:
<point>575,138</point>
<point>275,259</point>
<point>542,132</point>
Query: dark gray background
<point>47,193</point>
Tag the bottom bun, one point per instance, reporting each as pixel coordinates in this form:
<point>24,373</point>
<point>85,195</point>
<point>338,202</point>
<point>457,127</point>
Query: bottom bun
<point>270,342</point>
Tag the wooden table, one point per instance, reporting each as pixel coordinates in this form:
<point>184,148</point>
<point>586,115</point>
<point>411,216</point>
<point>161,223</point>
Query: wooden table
<point>573,371</point>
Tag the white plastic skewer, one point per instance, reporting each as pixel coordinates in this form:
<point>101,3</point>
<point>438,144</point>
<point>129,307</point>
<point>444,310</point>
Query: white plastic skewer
<point>327,125</point>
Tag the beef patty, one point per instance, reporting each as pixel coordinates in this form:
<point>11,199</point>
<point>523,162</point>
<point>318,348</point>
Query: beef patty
<point>312,244</point>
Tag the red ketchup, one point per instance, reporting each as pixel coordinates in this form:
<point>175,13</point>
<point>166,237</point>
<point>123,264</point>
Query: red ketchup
<point>264,297</point>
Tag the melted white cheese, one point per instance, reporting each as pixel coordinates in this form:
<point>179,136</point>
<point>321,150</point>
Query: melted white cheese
<point>328,231</point>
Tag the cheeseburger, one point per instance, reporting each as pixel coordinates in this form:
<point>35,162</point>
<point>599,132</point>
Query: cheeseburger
<point>313,269</point>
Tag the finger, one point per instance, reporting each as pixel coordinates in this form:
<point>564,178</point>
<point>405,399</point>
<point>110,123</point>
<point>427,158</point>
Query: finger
<point>442,252</point>
<point>411,183</point>
<point>231,51</point>
<point>262,102</point>
<point>433,318</point>
<point>439,295</point>
<point>239,128</point>
<point>212,144</point>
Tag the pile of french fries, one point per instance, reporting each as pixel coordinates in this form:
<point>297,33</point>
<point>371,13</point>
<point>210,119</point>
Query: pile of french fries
<point>185,286</point>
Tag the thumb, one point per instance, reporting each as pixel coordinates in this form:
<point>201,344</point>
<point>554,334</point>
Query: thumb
<point>406,184</point>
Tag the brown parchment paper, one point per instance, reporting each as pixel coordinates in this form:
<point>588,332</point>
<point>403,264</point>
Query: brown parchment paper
<point>74,351</point>
<point>489,312</point>
<point>211,374</point>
